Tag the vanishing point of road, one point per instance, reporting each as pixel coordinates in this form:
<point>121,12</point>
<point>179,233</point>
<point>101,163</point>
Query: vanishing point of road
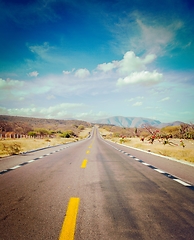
<point>95,190</point>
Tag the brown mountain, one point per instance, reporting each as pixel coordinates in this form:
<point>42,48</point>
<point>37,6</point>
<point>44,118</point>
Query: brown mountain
<point>23,125</point>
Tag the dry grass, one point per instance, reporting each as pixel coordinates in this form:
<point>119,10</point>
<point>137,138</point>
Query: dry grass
<point>177,151</point>
<point>84,133</point>
<point>31,144</point>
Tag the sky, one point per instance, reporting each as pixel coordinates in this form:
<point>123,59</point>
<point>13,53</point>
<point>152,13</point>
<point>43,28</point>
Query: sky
<point>94,59</point>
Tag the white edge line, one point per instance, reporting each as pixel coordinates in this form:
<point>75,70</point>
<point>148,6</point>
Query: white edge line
<point>31,161</point>
<point>147,164</point>
<point>17,166</point>
<point>169,158</point>
<point>181,182</point>
<point>158,170</point>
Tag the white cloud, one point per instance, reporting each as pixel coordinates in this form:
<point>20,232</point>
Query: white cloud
<point>50,97</point>
<point>40,50</point>
<point>82,73</point>
<point>105,67</point>
<point>144,77</point>
<point>91,116</point>
<point>33,74</point>
<point>134,99</point>
<point>143,33</point>
<point>149,58</point>
<point>128,64</point>
<point>130,100</point>
<point>66,72</point>
<point>155,37</point>
<point>10,84</point>
<point>165,99</point>
<point>137,104</point>
<point>49,54</point>
<point>131,62</point>
<point>59,111</point>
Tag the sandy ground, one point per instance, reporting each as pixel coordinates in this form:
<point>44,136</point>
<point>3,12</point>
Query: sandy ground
<point>174,149</point>
<point>31,144</point>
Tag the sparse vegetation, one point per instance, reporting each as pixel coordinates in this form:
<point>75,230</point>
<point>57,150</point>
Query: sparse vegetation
<point>22,134</point>
<point>184,131</point>
<point>68,134</point>
<point>81,127</point>
<point>166,142</point>
<point>11,148</point>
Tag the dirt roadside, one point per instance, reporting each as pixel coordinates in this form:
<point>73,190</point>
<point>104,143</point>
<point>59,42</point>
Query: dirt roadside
<point>173,149</point>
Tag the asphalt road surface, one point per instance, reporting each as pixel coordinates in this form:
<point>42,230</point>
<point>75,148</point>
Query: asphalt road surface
<point>94,190</point>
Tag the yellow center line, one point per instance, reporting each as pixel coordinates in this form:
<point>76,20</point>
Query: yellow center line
<point>68,228</point>
<point>84,163</point>
<point>87,151</point>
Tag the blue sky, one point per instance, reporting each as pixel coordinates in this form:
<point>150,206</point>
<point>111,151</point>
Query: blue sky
<point>95,59</point>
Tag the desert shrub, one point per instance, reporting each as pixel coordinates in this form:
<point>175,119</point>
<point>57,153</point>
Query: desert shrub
<point>144,133</point>
<point>116,134</point>
<point>42,131</point>
<point>107,128</point>
<point>12,149</point>
<point>190,134</point>
<point>171,130</point>
<point>52,132</point>
<point>59,131</point>
<point>67,134</point>
<point>32,134</point>
<point>81,127</point>
<point>121,140</point>
<point>183,131</point>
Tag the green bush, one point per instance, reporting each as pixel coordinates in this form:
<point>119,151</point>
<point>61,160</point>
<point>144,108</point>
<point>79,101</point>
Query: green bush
<point>42,131</point>
<point>67,134</point>
<point>32,134</point>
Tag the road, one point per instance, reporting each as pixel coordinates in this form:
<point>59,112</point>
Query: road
<point>93,190</point>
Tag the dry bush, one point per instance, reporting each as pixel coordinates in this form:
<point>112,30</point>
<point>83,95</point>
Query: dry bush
<point>11,148</point>
<point>15,146</point>
<point>171,130</point>
<point>84,133</point>
<point>174,150</point>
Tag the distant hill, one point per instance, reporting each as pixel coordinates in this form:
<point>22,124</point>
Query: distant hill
<point>131,122</point>
<point>176,123</point>
<point>25,124</point>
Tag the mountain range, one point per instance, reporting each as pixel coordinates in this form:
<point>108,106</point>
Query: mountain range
<point>11,122</point>
<point>138,122</point>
